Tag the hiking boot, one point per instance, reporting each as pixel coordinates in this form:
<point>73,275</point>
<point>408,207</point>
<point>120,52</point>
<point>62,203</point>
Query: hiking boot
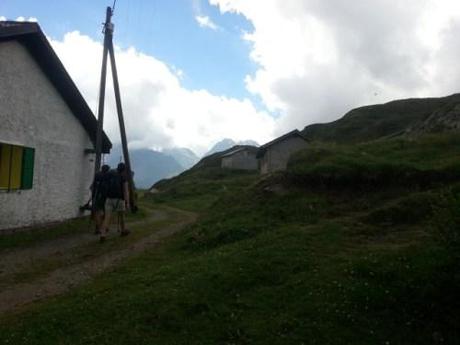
<point>102,239</point>
<point>125,233</point>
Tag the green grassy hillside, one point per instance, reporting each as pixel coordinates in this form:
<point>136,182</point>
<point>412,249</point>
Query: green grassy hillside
<point>380,121</point>
<point>200,187</point>
<point>354,244</point>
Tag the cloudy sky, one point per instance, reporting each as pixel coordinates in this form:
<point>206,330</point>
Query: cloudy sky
<point>193,72</point>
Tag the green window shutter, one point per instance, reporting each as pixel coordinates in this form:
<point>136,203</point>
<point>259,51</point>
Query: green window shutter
<point>17,157</point>
<point>27,168</point>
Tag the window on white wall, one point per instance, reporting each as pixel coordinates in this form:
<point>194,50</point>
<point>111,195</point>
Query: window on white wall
<point>16,167</point>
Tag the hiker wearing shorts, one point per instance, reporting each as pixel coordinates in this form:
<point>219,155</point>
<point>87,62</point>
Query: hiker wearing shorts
<point>98,197</point>
<point>117,199</point>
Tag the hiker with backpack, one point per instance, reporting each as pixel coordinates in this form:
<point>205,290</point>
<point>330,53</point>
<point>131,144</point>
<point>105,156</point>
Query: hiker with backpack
<point>116,185</point>
<point>98,197</point>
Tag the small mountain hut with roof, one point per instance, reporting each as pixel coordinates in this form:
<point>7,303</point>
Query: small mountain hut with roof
<point>274,155</point>
<point>241,157</point>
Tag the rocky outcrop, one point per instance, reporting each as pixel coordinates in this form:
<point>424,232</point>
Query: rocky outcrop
<point>444,119</point>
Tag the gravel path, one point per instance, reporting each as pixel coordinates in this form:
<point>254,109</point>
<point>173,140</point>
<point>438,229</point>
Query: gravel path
<point>17,260</point>
<point>65,277</point>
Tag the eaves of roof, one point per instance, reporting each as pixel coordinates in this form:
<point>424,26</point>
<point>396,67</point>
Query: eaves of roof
<point>239,148</point>
<point>263,148</point>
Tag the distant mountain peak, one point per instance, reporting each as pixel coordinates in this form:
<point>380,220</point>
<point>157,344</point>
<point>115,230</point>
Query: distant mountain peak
<point>148,165</point>
<point>184,156</point>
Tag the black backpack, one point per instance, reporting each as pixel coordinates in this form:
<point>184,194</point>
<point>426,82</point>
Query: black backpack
<point>99,186</point>
<point>112,185</point>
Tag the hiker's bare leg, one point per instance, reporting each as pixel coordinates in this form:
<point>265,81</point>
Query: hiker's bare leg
<point>99,218</point>
<point>121,216</point>
<point>124,231</point>
<point>105,223</point>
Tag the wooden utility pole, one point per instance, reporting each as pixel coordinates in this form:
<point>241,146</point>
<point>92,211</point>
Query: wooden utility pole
<point>100,113</point>
<point>108,49</point>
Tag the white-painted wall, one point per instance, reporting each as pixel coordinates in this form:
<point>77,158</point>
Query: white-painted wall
<point>277,155</point>
<point>33,114</point>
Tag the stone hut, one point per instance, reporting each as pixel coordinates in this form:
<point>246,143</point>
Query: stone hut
<point>274,155</point>
<point>47,132</point>
<point>241,157</point>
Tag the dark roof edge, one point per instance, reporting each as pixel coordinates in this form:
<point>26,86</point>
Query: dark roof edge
<point>295,132</point>
<point>239,148</point>
<point>264,147</point>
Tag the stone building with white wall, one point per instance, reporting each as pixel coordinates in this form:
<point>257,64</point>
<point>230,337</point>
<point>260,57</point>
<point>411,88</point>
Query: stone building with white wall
<point>47,132</point>
<point>241,157</point>
<point>274,155</point>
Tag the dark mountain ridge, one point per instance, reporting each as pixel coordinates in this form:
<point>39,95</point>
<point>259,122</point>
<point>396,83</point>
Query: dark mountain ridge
<point>399,118</point>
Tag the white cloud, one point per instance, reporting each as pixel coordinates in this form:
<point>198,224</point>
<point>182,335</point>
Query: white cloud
<point>2,18</point>
<point>206,22</point>
<point>317,59</point>
<point>159,111</point>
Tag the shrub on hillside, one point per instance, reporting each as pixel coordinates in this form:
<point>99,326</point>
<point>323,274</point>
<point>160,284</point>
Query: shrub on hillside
<point>446,222</point>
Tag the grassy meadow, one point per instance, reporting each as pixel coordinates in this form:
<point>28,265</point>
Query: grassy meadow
<point>353,244</point>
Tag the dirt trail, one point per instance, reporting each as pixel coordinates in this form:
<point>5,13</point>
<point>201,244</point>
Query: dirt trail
<point>66,277</point>
<point>17,260</point>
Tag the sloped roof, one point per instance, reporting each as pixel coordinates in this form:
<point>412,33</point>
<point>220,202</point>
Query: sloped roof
<point>34,40</point>
<point>239,148</point>
<point>263,148</point>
